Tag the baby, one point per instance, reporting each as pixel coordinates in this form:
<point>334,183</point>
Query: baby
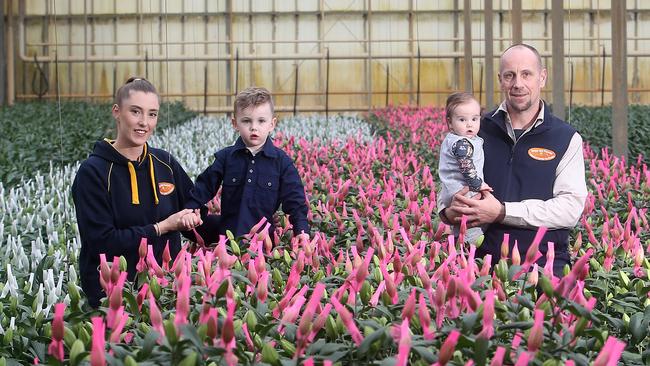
<point>461,155</point>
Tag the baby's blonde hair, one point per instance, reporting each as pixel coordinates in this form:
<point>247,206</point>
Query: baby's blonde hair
<point>456,99</point>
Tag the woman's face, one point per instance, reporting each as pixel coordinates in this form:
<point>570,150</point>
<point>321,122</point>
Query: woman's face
<point>136,118</point>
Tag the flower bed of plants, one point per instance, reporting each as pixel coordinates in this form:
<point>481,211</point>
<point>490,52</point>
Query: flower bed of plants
<point>595,125</point>
<point>379,283</point>
<point>32,135</point>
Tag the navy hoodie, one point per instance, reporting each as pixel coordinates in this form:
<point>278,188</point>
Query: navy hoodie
<point>117,206</point>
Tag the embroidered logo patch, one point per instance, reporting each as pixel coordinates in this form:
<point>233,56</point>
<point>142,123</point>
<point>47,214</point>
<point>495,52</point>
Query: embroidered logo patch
<point>165,188</point>
<point>540,153</point>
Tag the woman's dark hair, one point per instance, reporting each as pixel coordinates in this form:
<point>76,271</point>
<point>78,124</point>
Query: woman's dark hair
<point>134,83</point>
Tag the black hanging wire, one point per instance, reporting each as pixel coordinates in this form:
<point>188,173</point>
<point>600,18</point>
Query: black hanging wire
<point>418,91</point>
<point>295,91</point>
<point>480,81</point>
<point>570,90</point>
<point>602,79</point>
<point>57,87</point>
<point>236,71</point>
<point>387,83</point>
<point>327,85</point>
<point>205,89</point>
<point>167,60</point>
<point>40,83</point>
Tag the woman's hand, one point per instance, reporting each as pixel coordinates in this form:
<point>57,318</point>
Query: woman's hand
<point>186,219</point>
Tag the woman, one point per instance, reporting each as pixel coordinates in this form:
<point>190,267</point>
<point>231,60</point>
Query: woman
<point>127,190</point>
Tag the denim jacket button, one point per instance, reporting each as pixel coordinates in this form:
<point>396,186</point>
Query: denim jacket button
<point>269,183</point>
<point>234,180</point>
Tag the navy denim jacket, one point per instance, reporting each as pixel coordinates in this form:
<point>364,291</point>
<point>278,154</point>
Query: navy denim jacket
<point>253,187</point>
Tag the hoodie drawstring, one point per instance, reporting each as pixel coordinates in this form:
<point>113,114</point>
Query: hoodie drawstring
<point>135,199</point>
<point>153,179</point>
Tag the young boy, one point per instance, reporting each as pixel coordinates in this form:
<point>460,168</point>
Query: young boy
<point>461,155</point>
<point>256,176</point>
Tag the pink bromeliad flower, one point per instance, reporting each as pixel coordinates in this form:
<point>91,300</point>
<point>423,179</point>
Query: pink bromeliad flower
<point>409,306</point>
<point>97,356</point>
<point>536,335</point>
<point>403,343</point>
<point>262,290</point>
<point>488,316</point>
<point>304,327</point>
<point>142,251</point>
<point>319,322</point>
<point>499,355</point>
<point>104,274</point>
<point>155,316</point>
<point>447,348</point>
<point>425,319</point>
<point>182,300</point>
<point>142,295</point>
<point>167,257</point>
<point>119,321</point>
<point>524,358</point>
<point>115,298</point>
<point>228,333</point>
<point>610,353</point>
<point>154,267</point>
<point>348,321</point>
<point>56,346</point>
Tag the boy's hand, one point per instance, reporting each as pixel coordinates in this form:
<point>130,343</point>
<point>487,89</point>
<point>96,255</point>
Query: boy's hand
<point>191,220</point>
<point>181,220</point>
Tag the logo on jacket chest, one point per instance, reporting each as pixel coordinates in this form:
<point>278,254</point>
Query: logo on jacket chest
<point>540,153</point>
<point>165,188</point>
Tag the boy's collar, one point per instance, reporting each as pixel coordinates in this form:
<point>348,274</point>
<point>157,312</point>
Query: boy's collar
<point>268,148</point>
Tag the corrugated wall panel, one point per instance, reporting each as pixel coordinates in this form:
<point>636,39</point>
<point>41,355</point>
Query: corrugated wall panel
<point>264,33</point>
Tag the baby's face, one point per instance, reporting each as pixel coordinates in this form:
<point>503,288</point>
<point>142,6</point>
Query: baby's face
<point>466,120</point>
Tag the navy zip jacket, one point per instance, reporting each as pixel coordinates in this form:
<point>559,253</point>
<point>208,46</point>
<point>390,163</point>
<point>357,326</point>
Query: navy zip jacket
<point>254,186</point>
<point>515,175</point>
<point>117,207</point>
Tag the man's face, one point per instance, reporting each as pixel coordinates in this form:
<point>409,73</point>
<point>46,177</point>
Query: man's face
<point>522,79</point>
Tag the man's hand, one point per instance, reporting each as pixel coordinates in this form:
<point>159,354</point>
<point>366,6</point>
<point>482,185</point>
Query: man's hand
<point>479,212</point>
<point>451,215</point>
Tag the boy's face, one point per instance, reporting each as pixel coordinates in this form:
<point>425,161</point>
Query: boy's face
<point>254,124</point>
<point>466,120</point>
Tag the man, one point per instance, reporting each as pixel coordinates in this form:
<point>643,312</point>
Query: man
<point>533,162</point>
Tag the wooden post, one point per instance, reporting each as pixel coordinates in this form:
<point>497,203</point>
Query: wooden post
<point>516,21</point>
<point>467,45</point>
<point>229,47</point>
<point>456,81</point>
<point>3,85</point>
<point>558,57</point>
<point>11,92</point>
<point>619,79</point>
<point>489,56</point>
<point>369,51</point>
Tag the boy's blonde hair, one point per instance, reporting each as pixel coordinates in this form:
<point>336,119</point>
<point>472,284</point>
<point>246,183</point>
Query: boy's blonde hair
<point>253,96</point>
<point>456,99</point>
